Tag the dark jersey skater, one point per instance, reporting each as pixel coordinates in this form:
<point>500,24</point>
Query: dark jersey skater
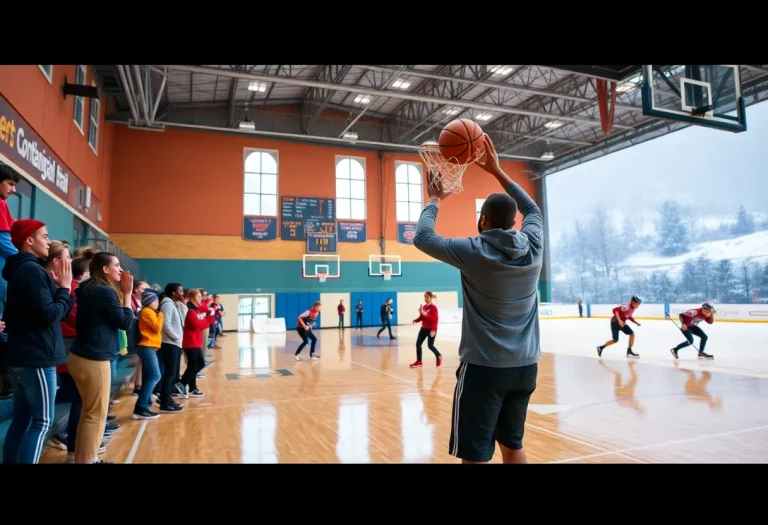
<point>304,328</point>
<point>689,322</point>
<point>622,314</point>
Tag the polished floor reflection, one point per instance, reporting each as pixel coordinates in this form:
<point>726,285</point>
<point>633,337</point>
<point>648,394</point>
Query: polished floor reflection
<point>361,403</point>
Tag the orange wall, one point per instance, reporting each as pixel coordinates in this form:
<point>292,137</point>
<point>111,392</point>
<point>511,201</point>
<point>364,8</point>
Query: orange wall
<point>43,106</point>
<point>172,171</point>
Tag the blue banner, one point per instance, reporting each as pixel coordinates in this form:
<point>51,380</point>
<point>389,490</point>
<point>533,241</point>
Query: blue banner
<point>352,231</point>
<point>259,228</point>
<point>406,231</point>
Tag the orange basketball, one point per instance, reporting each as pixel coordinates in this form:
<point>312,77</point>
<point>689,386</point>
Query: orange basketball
<point>459,140</point>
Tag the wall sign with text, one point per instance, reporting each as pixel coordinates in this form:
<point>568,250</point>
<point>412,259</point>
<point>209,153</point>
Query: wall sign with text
<point>259,228</point>
<point>352,231</point>
<point>300,215</point>
<point>406,231</point>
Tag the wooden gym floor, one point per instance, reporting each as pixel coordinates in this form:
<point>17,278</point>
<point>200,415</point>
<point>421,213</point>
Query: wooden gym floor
<point>362,404</point>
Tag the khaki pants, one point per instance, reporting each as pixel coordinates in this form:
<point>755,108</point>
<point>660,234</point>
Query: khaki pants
<point>206,333</point>
<point>93,380</point>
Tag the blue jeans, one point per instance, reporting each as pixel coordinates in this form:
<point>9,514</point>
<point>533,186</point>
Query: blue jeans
<point>34,395</point>
<point>150,375</point>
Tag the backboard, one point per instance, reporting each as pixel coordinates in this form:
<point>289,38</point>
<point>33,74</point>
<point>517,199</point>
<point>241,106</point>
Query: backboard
<point>700,95</point>
<point>314,265</point>
<point>377,264</point>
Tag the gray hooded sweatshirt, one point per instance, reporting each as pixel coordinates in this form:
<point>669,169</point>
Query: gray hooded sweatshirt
<point>173,321</point>
<point>499,278</point>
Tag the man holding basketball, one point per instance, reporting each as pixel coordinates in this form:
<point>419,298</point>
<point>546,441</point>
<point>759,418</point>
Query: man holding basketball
<point>499,349</point>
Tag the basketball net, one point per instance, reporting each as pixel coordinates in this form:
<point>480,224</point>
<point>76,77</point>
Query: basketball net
<point>322,276</point>
<point>387,275</point>
<point>448,174</point>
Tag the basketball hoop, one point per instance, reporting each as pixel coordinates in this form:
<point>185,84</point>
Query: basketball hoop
<point>387,275</point>
<point>448,173</point>
<point>322,276</point>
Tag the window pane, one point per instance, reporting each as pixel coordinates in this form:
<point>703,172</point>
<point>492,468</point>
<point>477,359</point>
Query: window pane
<point>414,193</point>
<point>245,306</point>
<point>342,209</point>
<point>269,184</point>
<point>268,163</point>
<point>402,212</point>
<point>251,204</point>
<point>79,110</point>
<point>401,173</point>
<point>415,211</point>
<point>358,172</point>
<point>401,192</point>
<point>253,162</point>
<point>414,175</point>
<point>261,305</point>
<point>358,189</point>
<point>92,135</point>
<point>269,205</point>
<point>358,209</point>
<point>342,169</point>
<point>252,183</point>
<point>342,189</point>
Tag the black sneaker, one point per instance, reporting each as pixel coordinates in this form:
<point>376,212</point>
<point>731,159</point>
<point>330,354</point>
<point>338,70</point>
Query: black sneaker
<point>631,354</point>
<point>136,391</point>
<point>314,357</point>
<point>702,355</point>
<point>599,351</point>
<point>111,418</point>
<point>144,413</point>
<point>674,353</point>
<point>111,428</point>
<point>182,389</point>
<point>196,393</point>
<point>6,394</point>
<point>169,409</point>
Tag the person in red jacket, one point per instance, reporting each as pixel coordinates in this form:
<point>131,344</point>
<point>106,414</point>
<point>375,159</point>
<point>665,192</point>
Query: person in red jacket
<point>622,314</point>
<point>192,341</point>
<point>428,317</point>
<point>689,325</point>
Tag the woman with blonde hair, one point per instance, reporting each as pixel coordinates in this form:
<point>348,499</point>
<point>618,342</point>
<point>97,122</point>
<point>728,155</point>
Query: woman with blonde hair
<point>104,307</point>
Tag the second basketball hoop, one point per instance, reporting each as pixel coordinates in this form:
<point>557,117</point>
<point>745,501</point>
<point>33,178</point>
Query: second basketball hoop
<point>460,144</point>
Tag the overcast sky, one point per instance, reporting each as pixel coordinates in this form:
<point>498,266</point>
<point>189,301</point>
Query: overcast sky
<point>713,170</point>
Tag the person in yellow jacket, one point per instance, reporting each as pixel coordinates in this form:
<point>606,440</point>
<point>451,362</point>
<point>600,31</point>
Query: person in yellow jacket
<point>150,329</point>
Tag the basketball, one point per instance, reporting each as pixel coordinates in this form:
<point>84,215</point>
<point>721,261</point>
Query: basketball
<point>459,140</point>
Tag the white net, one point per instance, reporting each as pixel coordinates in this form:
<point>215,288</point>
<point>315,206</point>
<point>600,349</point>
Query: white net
<point>387,275</point>
<point>322,276</point>
<point>448,173</point>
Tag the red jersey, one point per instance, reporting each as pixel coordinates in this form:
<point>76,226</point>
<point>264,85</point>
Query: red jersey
<point>625,311</point>
<point>428,319</point>
<point>194,325</point>
<point>693,317</point>
<point>68,325</point>
<point>341,309</point>
<point>6,219</point>
<point>308,317</point>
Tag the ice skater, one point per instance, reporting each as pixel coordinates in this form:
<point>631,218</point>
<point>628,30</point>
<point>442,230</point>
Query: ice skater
<point>622,314</point>
<point>689,321</point>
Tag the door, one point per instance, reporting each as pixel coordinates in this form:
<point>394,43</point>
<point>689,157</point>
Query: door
<point>251,306</point>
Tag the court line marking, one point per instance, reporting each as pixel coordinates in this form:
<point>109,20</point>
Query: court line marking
<point>667,443</point>
<point>605,450</point>
<point>136,442</point>
<point>297,399</point>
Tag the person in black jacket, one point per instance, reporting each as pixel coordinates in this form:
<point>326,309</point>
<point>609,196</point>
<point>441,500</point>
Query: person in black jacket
<point>386,318</point>
<point>37,304</point>
<point>103,308</point>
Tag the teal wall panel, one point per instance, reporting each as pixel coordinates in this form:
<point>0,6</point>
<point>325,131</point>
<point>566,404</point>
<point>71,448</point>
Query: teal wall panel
<point>245,276</point>
<point>58,220</point>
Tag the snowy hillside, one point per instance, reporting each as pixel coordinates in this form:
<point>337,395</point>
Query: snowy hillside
<point>751,248</point>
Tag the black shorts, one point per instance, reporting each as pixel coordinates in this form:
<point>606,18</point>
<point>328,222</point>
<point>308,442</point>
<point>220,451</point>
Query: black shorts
<point>489,405</point>
<point>615,329</point>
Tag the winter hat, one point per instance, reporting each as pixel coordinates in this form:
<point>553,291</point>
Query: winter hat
<point>23,229</point>
<point>147,297</point>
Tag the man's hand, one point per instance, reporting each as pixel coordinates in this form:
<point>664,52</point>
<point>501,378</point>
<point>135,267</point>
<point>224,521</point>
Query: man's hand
<point>435,188</point>
<point>489,161</point>
<point>683,328</point>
